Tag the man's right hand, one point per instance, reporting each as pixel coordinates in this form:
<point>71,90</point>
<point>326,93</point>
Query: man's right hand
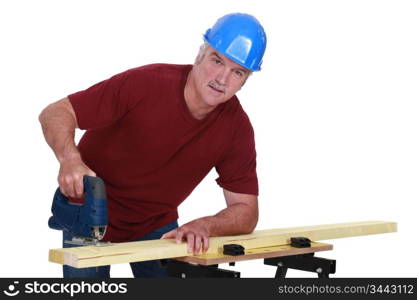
<point>71,174</point>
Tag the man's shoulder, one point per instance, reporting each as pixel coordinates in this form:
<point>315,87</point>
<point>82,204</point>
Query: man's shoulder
<point>236,116</point>
<point>233,106</point>
<point>160,69</point>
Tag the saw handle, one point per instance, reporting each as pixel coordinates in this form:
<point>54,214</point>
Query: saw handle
<point>79,218</point>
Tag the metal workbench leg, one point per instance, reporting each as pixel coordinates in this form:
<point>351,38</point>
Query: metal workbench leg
<point>305,262</point>
<point>281,271</point>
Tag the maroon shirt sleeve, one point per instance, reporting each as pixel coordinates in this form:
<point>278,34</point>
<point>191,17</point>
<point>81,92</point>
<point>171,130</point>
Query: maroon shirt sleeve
<point>109,100</point>
<point>237,168</point>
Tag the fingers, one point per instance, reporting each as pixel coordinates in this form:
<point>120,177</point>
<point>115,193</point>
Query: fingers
<point>197,244</point>
<point>196,236</point>
<point>176,233</point>
<point>78,187</point>
<point>169,235</point>
<point>205,243</point>
<point>72,185</point>
<point>70,178</point>
<point>201,244</point>
<point>65,188</point>
<point>179,236</point>
<point>190,243</point>
<point>91,173</point>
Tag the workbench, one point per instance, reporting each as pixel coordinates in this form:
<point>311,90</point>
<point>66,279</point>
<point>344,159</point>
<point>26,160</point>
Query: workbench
<point>283,257</point>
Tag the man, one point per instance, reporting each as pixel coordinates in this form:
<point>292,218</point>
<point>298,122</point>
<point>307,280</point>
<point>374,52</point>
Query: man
<point>154,132</point>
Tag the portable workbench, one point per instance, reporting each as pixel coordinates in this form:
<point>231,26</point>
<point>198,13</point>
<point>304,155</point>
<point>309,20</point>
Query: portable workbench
<point>283,257</point>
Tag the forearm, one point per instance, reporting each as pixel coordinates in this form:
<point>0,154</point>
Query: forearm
<point>240,217</point>
<point>236,219</point>
<point>59,122</point>
<point>58,126</point>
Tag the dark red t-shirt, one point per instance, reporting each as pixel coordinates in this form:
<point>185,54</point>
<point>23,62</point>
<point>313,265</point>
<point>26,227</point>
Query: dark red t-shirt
<point>142,140</point>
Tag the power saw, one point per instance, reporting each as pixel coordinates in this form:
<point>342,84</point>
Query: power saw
<point>86,221</point>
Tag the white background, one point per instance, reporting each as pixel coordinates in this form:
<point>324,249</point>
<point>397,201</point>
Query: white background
<point>334,111</point>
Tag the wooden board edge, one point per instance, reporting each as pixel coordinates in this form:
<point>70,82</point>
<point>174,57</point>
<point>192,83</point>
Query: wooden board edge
<point>56,256</point>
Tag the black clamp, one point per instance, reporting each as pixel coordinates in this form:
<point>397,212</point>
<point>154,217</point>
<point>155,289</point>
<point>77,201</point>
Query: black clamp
<point>233,249</point>
<point>300,242</point>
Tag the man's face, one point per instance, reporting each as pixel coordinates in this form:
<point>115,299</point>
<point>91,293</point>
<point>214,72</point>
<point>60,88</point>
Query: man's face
<point>217,78</point>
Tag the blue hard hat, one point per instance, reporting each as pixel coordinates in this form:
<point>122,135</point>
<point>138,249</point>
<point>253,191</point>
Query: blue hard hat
<point>239,37</point>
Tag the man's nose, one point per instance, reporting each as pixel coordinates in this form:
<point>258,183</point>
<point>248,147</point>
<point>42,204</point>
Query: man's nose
<point>223,77</point>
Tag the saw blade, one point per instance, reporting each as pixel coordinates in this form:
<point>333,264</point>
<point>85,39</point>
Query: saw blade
<point>86,241</point>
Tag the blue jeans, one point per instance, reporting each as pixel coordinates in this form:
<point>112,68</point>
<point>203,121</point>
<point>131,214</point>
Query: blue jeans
<point>145,269</point>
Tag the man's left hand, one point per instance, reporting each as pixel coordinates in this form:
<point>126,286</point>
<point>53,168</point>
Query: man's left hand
<point>196,233</point>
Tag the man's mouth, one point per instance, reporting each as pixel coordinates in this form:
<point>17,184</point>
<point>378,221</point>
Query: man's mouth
<point>213,87</point>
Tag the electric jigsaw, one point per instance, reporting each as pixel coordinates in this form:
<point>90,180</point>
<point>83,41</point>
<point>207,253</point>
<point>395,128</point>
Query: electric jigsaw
<point>86,221</point>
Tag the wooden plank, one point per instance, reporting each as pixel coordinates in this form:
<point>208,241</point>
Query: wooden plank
<point>208,259</point>
<point>91,256</point>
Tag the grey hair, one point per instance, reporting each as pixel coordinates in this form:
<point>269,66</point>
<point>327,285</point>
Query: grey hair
<point>201,53</point>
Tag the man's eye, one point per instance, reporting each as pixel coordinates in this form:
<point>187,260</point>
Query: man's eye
<point>217,61</point>
<point>239,73</point>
